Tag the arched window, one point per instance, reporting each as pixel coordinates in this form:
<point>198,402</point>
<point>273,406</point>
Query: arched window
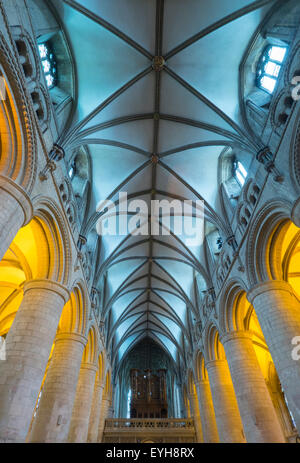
<point>240,172</point>
<point>72,170</point>
<point>49,64</point>
<point>269,67</point>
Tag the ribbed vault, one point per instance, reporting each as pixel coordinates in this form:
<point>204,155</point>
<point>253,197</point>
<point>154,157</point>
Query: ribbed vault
<point>158,100</point>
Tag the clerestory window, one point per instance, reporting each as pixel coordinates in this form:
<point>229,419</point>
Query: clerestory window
<point>48,64</point>
<point>72,170</point>
<point>240,172</point>
<point>269,67</point>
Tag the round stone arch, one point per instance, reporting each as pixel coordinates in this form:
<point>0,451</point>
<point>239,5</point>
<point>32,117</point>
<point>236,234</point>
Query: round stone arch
<point>59,240</point>
<point>91,351</point>
<point>18,139</point>
<point>101,367</point>
<point>42,246</point>
<point>213,349</point>
<point>231,315</point>
<point>200,369</point>
<point>103,364</point>
<point>259,265</point>
<point>75,312</point>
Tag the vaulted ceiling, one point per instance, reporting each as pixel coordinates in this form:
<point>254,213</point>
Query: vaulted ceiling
<point>155,128</point>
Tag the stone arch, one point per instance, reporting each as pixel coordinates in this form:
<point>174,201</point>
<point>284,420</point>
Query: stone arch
<point>231,314</point>
<point>90,352</point>
<point>271,245</point>
<point>18,144</point>
<point>35,253</point>
<point>58,236</point>
<point>101,366</point>
<point>213,347</point>
<point>258,263</point>
<point>200,369</point>
<point>283,253</point>
<point>74,315</point>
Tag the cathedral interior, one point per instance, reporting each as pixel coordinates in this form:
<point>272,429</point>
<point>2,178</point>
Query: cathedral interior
<point>117,327</point>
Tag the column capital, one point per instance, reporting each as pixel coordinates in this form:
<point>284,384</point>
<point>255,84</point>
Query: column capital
<point>20,195</point>
<point>89,366</point>
<point>272,285</point>
<point>213,363</point>
<point>106,400</point>
<point>201,382</point>
<point>69,336</point>
<point>241,334</point>
<point>99,384</point>
<point>48,285</point>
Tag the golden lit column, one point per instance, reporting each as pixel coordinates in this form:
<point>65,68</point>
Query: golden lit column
<point>103,415</point>
<point>278,310</point>
<point>230,428</point>
<point>28,345</point>
<point>83,402</point>
<point>95,412</point>
<point>15,211</point>
<point>207,413</point>
<point>52,421</point>
<point>196,415</point>
<point>256,408</point>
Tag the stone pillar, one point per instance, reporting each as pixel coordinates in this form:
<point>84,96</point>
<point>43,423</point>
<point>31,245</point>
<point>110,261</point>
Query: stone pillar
<point>15,211</point>
<point>258,415</point>
<point>28,345</point>
<point>52,421</point>
<point>207,413</point>
<point>196,415</point>
<point>103,415</point>
<point>230,428</point>
<point>95,412</point>
<point>278,310</point>
<point>83,402</point>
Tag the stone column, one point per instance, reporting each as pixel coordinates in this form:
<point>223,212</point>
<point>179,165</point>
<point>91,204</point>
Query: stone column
<point>196,415</point>
<point>95,412</point>
<point>52,421</point>
<point>28,345</point>
<point>258,415</point>
<point>103,415</point>
<point>15,211</point>
<point>207,413</point>
<point>278,310</point>
<point>83,402</point>
<point>230,428</point>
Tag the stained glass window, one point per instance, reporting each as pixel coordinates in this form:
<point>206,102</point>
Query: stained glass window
<point>269,67</point>
<point>48,64</point>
